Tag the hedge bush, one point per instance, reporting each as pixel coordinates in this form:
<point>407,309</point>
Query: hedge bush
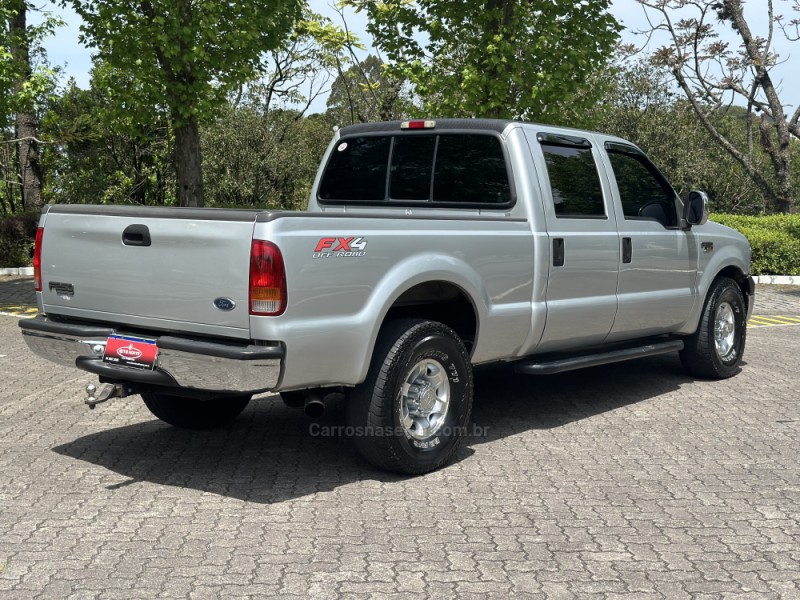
<point>775,240</point>
<point>17,236</point>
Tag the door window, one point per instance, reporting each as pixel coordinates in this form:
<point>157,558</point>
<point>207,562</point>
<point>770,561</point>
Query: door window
<point>642,189</point>
<point>574,181</point>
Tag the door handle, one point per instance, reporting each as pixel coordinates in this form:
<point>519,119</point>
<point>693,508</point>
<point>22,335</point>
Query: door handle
<point>136,235</point>
<point>627,250</point>
<point>558,252</point>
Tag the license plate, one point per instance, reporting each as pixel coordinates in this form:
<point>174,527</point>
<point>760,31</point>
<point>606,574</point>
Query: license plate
<point>127,351</point>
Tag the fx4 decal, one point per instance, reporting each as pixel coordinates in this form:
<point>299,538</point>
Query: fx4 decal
<point>340,247</point>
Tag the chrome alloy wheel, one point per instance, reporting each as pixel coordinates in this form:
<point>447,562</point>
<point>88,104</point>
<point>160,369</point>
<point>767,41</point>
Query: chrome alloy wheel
<point>424,399</point>
<point>724,330</point>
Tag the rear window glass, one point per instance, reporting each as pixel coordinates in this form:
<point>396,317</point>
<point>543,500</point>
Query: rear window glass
<point>472,169</point>
<point>357,170</point>
<point>412,163</point>
<point>450,169</point>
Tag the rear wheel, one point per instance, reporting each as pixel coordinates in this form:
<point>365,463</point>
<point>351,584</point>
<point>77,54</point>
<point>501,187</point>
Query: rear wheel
<point>190,413</point>
<point>716,348</point>
<point>412,411</point>
<point>294,399</point>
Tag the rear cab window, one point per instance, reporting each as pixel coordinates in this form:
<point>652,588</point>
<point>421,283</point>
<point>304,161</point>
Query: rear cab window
<point>444,169</point>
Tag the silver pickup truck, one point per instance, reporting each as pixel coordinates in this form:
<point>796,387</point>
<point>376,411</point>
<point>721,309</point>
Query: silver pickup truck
<point>427,247</point>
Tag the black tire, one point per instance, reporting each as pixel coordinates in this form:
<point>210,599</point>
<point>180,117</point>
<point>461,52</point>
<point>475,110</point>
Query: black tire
<point>375,408</point>
<point>190,413</point>
<point>702,356</point>
<point>294,399</point>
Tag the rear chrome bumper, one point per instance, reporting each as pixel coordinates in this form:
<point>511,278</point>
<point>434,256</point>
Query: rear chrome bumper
<point>181,362</point>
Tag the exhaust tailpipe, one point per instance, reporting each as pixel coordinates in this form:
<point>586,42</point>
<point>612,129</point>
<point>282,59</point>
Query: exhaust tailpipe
<point>314,408</point>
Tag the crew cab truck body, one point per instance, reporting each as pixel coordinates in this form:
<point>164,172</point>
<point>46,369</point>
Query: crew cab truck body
<point>427,247</point>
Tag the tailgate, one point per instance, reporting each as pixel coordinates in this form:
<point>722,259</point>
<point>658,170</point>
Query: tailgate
<point>97,264</point>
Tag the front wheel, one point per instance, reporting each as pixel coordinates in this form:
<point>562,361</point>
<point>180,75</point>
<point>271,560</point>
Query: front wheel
<point>190,413</point>
<point>715,350</point>
<point>412,411</point>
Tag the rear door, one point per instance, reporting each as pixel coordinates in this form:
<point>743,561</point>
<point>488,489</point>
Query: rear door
<point>584,243</point>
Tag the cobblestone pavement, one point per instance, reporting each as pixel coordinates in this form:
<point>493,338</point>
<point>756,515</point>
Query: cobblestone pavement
<point>624,481</point>
<point>17,296</point>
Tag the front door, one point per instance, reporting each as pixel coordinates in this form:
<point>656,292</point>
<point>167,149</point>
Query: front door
<point>658,267</point>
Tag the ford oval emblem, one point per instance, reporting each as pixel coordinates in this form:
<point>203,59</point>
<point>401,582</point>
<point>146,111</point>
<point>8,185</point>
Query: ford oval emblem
<point>224,303</point>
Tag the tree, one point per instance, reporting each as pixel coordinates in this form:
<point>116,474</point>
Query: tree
<point>102,155</point>
<point>189,55</point>
<point>263,159</point>
<point>645,106</point>
<point>22,85</point>
<point>299,71</point>
<point>262,151</point>
<point>495,58</point>
<point>365,92</point>
<point>713,76</point>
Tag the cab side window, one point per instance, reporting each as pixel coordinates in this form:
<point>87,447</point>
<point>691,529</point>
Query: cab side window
<point>643,192</point>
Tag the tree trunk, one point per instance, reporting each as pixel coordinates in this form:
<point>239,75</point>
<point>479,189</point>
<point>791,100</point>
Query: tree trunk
<point>187,165</point>
<point>25,127</point>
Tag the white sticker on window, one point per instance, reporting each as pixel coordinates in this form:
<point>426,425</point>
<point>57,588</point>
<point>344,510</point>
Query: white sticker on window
<point>342,146</point>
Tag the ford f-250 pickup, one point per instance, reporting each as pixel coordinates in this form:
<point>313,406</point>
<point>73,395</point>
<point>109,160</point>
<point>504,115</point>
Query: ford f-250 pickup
<point>427,247</point>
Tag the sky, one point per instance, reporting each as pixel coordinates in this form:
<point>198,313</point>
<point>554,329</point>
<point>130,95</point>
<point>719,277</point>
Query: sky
<point>64,49</point>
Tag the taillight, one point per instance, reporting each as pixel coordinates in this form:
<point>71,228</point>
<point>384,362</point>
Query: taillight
<point>267,279</point>
<point>37,259</point>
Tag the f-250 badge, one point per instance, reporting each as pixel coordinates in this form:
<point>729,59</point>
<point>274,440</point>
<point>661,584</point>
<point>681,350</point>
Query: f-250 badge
<point>340,247</point>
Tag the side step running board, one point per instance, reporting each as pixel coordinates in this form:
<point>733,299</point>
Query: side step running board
<point>593,360</point>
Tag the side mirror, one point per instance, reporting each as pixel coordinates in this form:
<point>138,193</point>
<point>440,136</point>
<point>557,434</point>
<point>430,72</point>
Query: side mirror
<point>695,211</point>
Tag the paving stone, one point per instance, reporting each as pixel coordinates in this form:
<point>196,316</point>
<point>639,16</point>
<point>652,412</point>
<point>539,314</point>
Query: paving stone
<point>625,481</point>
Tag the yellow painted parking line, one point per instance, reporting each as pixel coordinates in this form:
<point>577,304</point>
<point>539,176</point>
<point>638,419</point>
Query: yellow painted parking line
<point>773,320</point>
<point>768,320</point>
<point>18,310</point>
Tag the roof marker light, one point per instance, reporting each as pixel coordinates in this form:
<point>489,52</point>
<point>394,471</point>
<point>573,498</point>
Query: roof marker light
<point>417,124</point>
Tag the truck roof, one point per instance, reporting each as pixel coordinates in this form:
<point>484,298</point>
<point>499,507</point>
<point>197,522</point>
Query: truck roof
<point>498,125</point>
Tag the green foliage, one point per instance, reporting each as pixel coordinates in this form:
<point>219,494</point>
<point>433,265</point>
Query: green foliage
<point>17,234</point>
<point>187,55</point>
<point>775,240</point>
<point>501,58</point>
<point>644,107</point>
<point>104,156</point>
<point>258,159</point>
<point>23,86</point>
<point>27,81</point>
<point>365,92</point>
<point>114,149</point>
<point>302,67</point>
<point>714,74</point>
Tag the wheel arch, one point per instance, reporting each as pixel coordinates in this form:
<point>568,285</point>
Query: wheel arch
<point>438,300</point>
<point>429,294</point>
<point>735,273</point>
<point>730,268</point>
